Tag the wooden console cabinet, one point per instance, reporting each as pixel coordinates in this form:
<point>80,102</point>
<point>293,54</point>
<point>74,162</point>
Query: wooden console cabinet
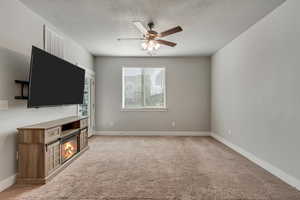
<point>41,148</point>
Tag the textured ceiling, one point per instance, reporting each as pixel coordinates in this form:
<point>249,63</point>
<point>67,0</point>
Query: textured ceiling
<point>208,25</point>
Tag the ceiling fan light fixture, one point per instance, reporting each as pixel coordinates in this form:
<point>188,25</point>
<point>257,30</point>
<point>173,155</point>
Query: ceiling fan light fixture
<point>144,46</point>
<point>151,39</point>
<point>150,45</point>
<point>157,46</point>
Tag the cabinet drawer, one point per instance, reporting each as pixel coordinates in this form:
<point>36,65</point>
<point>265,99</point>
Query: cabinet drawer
<point>52,134</point>
<point>83,123</point>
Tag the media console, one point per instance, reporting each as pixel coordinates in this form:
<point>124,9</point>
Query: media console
<point>47,148</point>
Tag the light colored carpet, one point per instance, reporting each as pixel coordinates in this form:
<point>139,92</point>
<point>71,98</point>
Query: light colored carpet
<point>159,168</point>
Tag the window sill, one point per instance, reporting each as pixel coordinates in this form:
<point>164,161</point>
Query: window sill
<point>144,109</point>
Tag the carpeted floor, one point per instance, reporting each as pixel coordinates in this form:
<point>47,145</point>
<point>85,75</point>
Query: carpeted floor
<point>158,168</point>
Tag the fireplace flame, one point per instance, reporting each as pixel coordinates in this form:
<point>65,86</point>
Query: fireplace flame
<point>68,150</point>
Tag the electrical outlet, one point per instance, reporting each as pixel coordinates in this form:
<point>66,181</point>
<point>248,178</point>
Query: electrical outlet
<point>173,123</point>
<point>3,104</point>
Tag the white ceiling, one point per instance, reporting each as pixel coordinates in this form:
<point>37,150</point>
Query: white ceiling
<point>208,25</point>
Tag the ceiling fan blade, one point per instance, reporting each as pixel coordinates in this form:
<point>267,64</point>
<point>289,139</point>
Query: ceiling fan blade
<point>120,39</point>
<point>168,43</point>
<point>170,31</point>
<point>140,27</point>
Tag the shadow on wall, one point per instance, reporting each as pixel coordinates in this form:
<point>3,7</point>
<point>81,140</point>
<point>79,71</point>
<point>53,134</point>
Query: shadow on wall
<point>13,66</point>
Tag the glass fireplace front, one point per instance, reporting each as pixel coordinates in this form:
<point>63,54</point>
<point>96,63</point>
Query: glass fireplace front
<point>69,148</point>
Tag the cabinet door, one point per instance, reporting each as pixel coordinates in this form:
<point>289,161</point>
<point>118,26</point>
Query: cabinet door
<point>56,155</point>
<point>49,163</point>
<point>52,157</point>
<point>83,138</point>
<point>81,141</point>
<point>86,138</point>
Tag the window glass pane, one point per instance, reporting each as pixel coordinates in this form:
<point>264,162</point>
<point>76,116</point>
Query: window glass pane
<point>84,108</point>
<point>154,87</point>
<point>132,87</point>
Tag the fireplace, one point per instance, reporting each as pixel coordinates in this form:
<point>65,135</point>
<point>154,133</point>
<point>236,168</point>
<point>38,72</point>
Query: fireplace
<point>69,147</point>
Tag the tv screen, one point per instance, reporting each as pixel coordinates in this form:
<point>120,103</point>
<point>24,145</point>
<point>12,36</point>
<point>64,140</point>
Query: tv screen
<point>54,81</point>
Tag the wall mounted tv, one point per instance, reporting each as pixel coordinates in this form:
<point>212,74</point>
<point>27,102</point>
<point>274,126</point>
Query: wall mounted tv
<point>54,81</point>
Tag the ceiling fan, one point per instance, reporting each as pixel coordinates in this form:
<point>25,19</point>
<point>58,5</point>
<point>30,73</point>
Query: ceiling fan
<point>151,39</point>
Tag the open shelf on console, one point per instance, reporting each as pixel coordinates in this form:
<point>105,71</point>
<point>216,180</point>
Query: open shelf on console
<point>70,128</point>
<point>69,132</point>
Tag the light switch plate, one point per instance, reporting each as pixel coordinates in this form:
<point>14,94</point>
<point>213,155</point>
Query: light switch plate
<point>3,104</point>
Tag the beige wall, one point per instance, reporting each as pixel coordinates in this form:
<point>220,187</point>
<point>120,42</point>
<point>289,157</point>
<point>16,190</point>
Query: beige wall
<point>20,29</point>
<point>255,89</point>
<point>188,95</point>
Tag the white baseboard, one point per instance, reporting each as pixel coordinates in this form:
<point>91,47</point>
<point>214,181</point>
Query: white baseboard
<point>264,164</point>
<point>154,133</point>
<point>6,183</point>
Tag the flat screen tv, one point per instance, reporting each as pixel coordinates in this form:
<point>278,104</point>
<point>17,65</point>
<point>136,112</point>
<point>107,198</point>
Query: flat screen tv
<point>54,81</point>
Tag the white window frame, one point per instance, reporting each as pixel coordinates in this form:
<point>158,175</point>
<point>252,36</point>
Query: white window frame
<point>53,42</point>
<point>145,108</point>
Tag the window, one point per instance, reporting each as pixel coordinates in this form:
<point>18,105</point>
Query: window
<point>53,43</point>
<point>143,88</point>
